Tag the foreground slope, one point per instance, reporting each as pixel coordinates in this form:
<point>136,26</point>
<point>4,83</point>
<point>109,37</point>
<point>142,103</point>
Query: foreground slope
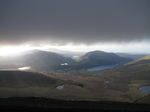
<point>25,104</point>
<point>25,79</point>
<point>25,84</point>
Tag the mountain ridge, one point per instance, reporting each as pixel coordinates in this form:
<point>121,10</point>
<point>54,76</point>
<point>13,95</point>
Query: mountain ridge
<point>40,60</point>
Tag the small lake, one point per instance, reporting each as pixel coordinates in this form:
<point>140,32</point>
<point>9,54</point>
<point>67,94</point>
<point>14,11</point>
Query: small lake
<point>102,67</point>
<point>60,87</point>
<point>145,89</point>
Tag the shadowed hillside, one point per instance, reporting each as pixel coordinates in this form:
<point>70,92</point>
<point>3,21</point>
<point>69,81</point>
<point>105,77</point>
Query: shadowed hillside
<point>98,58</point>
<point>18,83</point>
<point>36,59</point>
<point>42,60</point>
<point>24,84</point>
<point>25,79</point>
<point>138,69</point>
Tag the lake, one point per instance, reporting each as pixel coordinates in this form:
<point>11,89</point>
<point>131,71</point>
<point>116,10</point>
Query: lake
<point>102,67</point>
<point>60,87</point>
<point>145,89</point>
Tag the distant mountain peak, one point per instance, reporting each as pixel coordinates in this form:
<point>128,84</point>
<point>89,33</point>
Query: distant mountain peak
<point>96,51</point>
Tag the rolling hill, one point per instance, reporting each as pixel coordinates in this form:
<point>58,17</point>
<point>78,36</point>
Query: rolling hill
<point>98,58</point>
<point>42,60</point>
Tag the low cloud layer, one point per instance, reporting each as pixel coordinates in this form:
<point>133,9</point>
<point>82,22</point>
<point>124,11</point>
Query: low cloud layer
<point>58,22</point>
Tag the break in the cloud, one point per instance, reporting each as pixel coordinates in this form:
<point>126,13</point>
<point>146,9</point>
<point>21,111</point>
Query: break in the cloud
<point>58,22</point>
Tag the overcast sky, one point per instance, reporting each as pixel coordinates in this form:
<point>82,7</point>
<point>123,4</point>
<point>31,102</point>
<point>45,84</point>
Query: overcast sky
<point>61,22</point>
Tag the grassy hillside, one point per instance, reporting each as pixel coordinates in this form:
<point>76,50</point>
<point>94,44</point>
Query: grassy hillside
<point>24,84</point>
<point>143,60</point>
<point>145,99</point>
<point>132,75</point>
<point>138,69</point>
<point>98,58</point>
<point>119,84</point>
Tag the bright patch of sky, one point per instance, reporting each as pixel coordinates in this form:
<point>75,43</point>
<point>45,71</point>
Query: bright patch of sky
<point>140,47</point>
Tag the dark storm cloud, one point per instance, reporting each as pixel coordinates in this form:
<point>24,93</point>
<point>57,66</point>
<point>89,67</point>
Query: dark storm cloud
<point>77,21</point>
